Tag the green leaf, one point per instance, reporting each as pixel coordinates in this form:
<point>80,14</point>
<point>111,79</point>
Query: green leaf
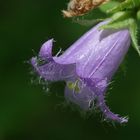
<point>116,25</point>
<point>134,35</point>
<point>121,6</point>
<point>104,7</point>
<point>118,20</point>
<point>138,24</point>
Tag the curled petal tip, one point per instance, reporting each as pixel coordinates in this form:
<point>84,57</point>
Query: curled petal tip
<point>46,49</point>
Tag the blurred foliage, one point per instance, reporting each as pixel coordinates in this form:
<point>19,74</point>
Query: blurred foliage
<point>27,111</point>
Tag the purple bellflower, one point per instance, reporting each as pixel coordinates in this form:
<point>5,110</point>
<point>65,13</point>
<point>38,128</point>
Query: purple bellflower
<point>87,67</point>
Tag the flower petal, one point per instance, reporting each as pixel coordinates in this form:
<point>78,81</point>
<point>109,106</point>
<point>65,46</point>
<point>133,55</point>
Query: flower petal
<point>82,47</point>
<point>87,66</point>
<point>46,50</point>
<point>48,68</point>
<point>84,98</point>
<point>99,88</point>
<point>107,113</point>
<point>105,57</point>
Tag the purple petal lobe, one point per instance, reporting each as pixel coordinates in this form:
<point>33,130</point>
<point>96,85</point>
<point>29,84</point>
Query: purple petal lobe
<point>53,71</point>
<point>83,98</point>
<point>48,68</point>
<point>108,115</point>
<point>46,50</point>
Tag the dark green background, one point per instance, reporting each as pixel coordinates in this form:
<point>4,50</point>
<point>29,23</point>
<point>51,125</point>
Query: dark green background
<point>27,112</point>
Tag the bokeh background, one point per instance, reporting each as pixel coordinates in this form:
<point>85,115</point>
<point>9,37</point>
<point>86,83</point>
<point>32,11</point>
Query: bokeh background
<point>27,111</point>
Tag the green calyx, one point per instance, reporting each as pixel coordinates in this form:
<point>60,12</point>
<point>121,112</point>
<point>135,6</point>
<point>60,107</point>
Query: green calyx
<point>126,15</point>
<point>125,5</point>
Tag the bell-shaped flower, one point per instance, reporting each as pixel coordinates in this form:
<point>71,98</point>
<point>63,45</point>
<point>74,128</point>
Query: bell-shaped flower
<point>87,67</point>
